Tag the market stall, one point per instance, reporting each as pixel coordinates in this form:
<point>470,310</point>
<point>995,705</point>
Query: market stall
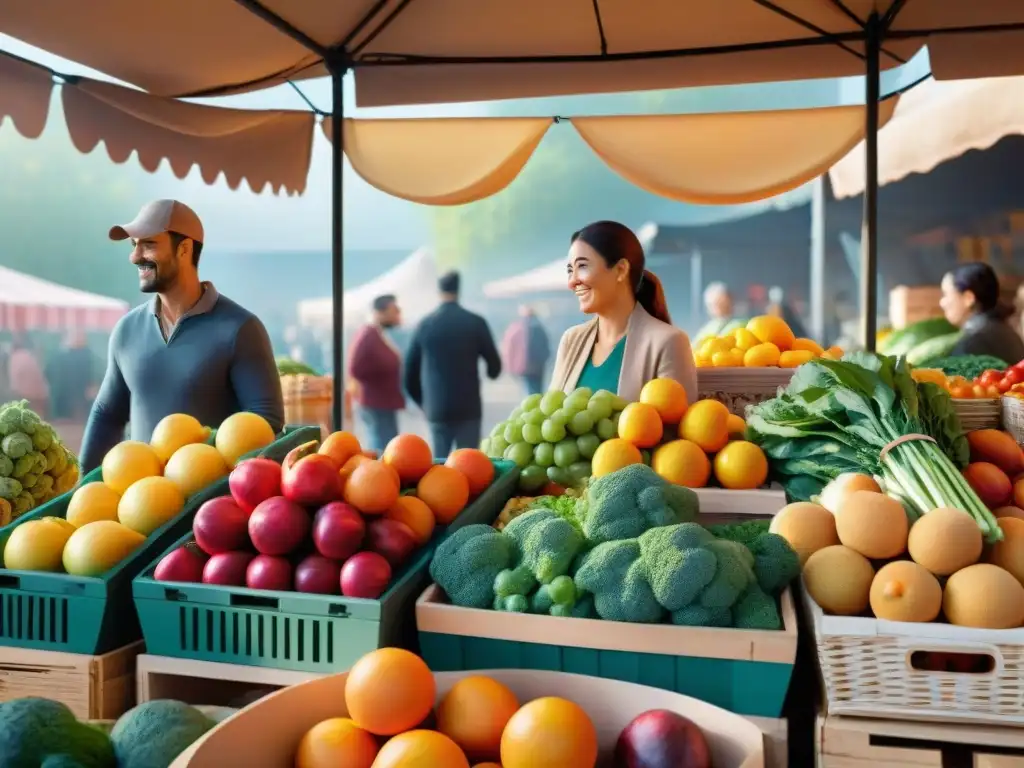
<point>30,304</point>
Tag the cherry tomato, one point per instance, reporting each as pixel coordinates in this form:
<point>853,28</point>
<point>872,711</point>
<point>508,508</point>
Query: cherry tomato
<point>979,391</point>
<point>1019,366</point>
<point>992,391</point>
<point>1014,376</point>
<point>989,377</point>
<point>1004,386</point>
<point>962,392</point>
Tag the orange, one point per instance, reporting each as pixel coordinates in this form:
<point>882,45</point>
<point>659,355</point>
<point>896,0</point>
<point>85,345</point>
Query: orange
<point>421,749</point>
<point>667,397</point>
<point>372,488</point>
<point>794,358</point>
<point>414,513</point>
<point>340,446</point>
<point>741,465</point>
<point>409,456</point>
<point>809,345</point>
<point>389,690</point>
<point>549,733</point>
<point>445,491</point>
<point>128,462</point>
<point>774,330</point>
<point>640,424</point>
<point>474,714</point>
<point>706,423</point>
<point>475,465</point>
<point>682,463</point>
<point>336,743</point>
<point>612,455</point>
<point>736,425</point>
<point>350,466</point>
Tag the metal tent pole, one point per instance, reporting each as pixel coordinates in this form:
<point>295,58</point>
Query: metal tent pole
<point>869,229</point>
<point>337,70</point>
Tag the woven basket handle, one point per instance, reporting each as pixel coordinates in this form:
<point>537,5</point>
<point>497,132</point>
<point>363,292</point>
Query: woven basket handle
<point>967,648</point>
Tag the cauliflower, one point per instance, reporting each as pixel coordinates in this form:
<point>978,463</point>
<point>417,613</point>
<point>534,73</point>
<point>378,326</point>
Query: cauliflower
<point>624,504</point>
<point>9,488</point>
<point>612,573</point>
<point>547,543</point>
<point>467,563</point>
<point>16,445</point>
<point>10,419</point>
<point>6,465</point>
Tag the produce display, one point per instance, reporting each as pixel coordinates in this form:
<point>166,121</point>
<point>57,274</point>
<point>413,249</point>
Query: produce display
<point>144,487</point>
<point>35,466</point>
<point>765,342</point>
<point>690,445</point>
<point>390,721</point>
<point>969,367</point>
<point>288,367</point>
<point>40,732</point>
<point>329,519</point>
<point>990,383</point>
<point>922,341</point>
<point>627,550</point>
<point>866,415</point>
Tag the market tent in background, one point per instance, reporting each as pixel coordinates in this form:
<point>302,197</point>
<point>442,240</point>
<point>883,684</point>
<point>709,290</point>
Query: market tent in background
<point>412,282</point>
<point>30,304</point>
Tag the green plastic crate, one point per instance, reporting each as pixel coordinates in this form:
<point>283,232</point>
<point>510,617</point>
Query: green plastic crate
<point>291,630</point>
<point>75,614</point>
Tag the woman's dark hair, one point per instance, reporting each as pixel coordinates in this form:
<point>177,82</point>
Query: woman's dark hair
<point>616,242</point>
<point>981,280</point>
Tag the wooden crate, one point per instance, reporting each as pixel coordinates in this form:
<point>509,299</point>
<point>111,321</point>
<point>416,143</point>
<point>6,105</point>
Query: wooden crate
<point>93,687</point>
<point>848,742</point>
<point>908,305</point>
<point>776,741</point>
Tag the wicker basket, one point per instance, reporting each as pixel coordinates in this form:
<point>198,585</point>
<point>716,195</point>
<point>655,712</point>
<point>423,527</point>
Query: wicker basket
<point>308,401</point>
<point>1013,418</point>
<point>866,670</point>
<point>740,387</point>
<point>984,413</point>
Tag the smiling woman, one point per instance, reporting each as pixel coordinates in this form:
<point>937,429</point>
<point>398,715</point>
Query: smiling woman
<point>631,339</point>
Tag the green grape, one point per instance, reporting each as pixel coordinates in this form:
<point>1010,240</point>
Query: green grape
<point>584,392</point>
<point>566,453</point>
<point>485,446</point>
<point>532,478</point>
<point>605,393</point>
<point>498,446</point>
<point>606,429</point>
<point>619,403</point>
<point>615,420</point>
<point>544,455</point>
<point>552,401</point>
<point>516,414</point>
<point>530,404</point>
<point>588,445</point>
<point>581,423</point>
<point>576,403</point>
<point>532,434</point>
<point>520,453</point>
<point>499,429</point>
<point>513,433</point>
<point>536,416</point>
<point>560,476</point>
<point>561,416</point>
<point>552,431</point>
<point>600,407</point>
<point>580,471</point>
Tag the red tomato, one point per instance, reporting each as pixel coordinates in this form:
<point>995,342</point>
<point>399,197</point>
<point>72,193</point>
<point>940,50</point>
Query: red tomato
<point>1019,366</point>
<point>1014,376</point>
<point>989,377</point>
<point>1004,386</point>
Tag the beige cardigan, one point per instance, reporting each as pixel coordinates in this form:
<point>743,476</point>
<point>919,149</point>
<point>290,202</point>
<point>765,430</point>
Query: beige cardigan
<point>653,350</point>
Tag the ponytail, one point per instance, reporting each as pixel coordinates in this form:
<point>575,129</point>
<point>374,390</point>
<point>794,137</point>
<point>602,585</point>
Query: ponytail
<point>651,296</point>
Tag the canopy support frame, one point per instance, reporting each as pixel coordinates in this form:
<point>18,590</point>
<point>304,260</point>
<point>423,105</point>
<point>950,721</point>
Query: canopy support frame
<point>873,32</point>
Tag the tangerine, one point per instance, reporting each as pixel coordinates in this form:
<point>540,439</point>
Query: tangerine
<point>409,456</point>
<point>474,714</point>
<point>389,691</point>
<point>641,425</point>
<point>350,466</point>
<point>741,465</point>
<point>336,743</point>
<point>421,749</point>
<point>682,462</point>
<point>475,465</point>
<point>706,423</point>
<point>372,488</point>
<point>340,447</point>
<point>446,491</point>
<point>667,397</point>
<point>612,455</point>
<point>414,513</point>
<point>774,330</point>
<point>736,425</point>
<point>549,732</point>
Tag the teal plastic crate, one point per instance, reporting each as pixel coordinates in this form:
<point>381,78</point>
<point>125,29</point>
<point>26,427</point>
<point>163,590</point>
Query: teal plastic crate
<point>290,630</point>
<point>75,614</point>
<point>743,671</point>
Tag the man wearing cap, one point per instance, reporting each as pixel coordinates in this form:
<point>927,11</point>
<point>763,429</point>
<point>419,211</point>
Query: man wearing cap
<point>189,350</point>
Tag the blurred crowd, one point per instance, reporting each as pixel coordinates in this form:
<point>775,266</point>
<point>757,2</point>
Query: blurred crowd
<point>57,375</point>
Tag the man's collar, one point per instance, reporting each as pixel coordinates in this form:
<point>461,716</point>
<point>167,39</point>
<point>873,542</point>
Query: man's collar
<point>206,302</point>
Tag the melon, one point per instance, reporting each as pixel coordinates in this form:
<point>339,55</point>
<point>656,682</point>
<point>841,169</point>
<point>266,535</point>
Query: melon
<point>905,591</point>
<point>1008,554</point>
<point>945,540</point>
<point>873,524</point>
<point>834,495</point>
<point>839,580</point>
<point>984,596</point>
<point>807,527</point>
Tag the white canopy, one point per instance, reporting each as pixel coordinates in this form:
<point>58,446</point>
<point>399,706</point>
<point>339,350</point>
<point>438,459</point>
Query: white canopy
<point>935,122</point>
<point>546,279</point>
<point>31,303</point>
<point>412,282</point>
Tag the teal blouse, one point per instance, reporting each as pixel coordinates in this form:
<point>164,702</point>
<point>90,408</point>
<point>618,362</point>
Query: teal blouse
<point>605,375</point>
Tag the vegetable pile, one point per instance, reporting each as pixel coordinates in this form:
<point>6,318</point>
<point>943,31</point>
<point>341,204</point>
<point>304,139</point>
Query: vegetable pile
<point>921,341</point>
<point>849,416</point>
<point>969,367</point>
<point>34,465</point>
<point>627,550</point>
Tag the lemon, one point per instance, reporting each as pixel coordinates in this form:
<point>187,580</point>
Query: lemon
<point>809,345</point>
<point>768,328</point>
<point>762,356</point>
<point>741,465</point>
<point>175,431</point>
<point>37,545</point>
<point>794,358</point>
<point>745,339</point>
<point>128,462</point>
<point>92,502</point>
<point>149,504</point>
<point>194,467</point>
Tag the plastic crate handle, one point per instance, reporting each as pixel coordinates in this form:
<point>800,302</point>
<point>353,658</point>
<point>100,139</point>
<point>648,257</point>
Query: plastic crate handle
<point>254,601</point>
<point>10,582</point>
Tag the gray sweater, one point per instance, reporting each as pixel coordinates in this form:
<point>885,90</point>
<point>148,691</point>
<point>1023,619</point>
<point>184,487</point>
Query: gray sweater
<point>217,361</point>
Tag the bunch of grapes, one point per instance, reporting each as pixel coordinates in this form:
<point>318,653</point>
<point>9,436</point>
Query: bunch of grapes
<point>554,436</point>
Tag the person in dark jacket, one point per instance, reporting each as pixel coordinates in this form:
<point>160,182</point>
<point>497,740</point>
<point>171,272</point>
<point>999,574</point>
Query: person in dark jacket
<point>375,365</point>
<point>442,369</point>
<point>970,301</point>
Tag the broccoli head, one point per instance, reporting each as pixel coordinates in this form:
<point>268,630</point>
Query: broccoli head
<point>16,445</point>
<point>756,609</point>
<point>547,543</point>
<point>698,616</point>
<point>776,563</point>
<point>37,732</point>
<point>514,581</point>
<point>612,573</point>
<point>624,504</point>
<point>467,563</point>
<point>511,604</point>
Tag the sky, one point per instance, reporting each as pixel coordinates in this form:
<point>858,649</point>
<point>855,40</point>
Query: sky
<point>269,222</point>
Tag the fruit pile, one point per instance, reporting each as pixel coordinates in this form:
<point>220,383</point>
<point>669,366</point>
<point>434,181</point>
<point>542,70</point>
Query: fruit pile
<point>330,519</point>
<point>144,487</point>
<point>766,342</point>
<point>389,720</point>
<point>34,465</point>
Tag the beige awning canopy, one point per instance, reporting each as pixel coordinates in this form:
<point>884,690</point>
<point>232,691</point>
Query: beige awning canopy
<point>936,122</point>
<point>466,50</point>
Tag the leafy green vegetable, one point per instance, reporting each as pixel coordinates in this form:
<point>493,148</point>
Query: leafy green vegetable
<point>288,367</point>
<point>844,416</point>
<point>940,345</point>
<point>968,366</point>
<point>902,341</point>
